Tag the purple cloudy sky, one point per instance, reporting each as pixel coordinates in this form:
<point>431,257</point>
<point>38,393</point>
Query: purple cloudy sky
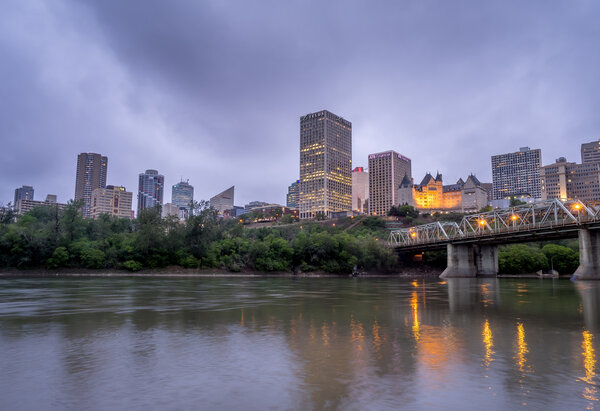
<point>212,91</point>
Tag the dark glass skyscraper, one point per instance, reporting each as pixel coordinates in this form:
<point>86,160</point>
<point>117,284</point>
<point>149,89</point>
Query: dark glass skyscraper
<point>182,195</point>
<point>150,191</point>
<point>292,195</point>
<point>23,193</point>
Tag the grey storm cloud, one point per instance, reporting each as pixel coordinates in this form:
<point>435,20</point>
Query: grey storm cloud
<point>212,91</point>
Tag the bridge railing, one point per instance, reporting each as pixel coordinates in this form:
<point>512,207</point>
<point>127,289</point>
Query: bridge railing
<point>528,217</point>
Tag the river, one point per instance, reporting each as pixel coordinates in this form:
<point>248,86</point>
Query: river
<point>306,343</point>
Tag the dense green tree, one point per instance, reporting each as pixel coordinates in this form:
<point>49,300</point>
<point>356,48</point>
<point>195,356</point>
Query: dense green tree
<point>521,259</point>
<point>60,258</point>
<point>562,259</point>
<point>516,202</point>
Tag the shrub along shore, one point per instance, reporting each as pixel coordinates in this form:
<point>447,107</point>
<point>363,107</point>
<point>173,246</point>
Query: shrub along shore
<point>62,241</point>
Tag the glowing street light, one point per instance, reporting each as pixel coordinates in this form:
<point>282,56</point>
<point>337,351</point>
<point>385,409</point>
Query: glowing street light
<point>514,217</point>
<point>413,234</point>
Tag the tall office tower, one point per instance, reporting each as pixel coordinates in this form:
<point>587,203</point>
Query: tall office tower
<point>570,181</point>
<point>292,195</point>
<point>325,164</point>
<point>112,200</point>
<point>517,174</point>
<point>182,195</point>
<point>360,189</point>
<point>223,201</point>
<point>590,152</point>
<point>386,171</point>
<point>23,193</point>
<point>150,191</point>
<point>91,174</point>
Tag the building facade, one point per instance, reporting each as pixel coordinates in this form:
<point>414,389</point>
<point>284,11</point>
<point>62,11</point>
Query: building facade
<point>171,210</point>
<point>91,174</point>
<point>150,190</point>
<point>360,190</point>
<point>24,205</point>
<point>517,174</point>
<point>23,193</point>
<point>223,201</point>
<point>590,152</point>
<point>254,204</point>
<point>182,194</point>
<point>571,181</point>
<point>293,194</point>
<point>112,200</point>
<point>325,164</point>
<point>432,195</point>
<point>386,172</point>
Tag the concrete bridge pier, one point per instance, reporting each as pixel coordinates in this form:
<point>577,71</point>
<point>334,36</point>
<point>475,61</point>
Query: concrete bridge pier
<point>461,262</point>
<point>469,260</point>
<point>486,260</point>
<point>589,255</point>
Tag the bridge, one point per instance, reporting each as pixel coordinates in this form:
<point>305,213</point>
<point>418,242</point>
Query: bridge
<point>472,243</point>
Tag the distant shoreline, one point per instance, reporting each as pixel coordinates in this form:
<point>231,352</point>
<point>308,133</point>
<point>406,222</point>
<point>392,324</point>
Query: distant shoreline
<point>179,272</point>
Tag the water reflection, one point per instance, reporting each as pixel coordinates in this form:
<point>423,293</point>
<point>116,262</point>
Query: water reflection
<point>590,392</point>
<point>488,341</point>
<point>590,301</point>
<point>522,349</point>
<point>416,326</point>
<point>304,344</point>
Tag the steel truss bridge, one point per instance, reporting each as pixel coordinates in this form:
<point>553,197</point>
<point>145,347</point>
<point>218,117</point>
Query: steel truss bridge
<point>531,222</point>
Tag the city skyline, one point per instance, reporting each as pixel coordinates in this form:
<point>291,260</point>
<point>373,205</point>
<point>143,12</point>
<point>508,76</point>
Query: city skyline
<point>93,78</point>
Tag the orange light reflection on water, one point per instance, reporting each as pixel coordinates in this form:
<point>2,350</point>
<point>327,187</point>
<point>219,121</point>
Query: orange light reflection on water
<point>590,392</point>
<point>416,327</point>
<point>488,341</point>
<point>522,349</point>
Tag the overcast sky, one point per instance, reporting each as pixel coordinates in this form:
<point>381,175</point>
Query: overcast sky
<point>212,91</point>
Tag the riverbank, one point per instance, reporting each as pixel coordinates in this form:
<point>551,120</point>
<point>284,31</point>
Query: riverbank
<point>176,271</point>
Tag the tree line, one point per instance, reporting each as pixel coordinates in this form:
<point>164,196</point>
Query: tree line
<point>49,238</point>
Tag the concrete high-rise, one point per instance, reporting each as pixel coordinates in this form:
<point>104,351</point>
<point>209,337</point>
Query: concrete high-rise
<point>23,193</point>
<point>150,191</point>
<point>293,194</point>
<point>91,174</point>
<point>386,171</point>
<point>360,189</point>
<point>570,181</point>
<point>112,200</point>
<point>517,174</point>
<point>182,195</point>
<point>325,164</point>
<point>590,152</point>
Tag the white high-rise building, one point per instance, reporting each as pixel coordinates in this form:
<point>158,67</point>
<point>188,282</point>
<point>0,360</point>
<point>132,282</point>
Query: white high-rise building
<point>360,189</point>
<point>517,174</point>
<point>386,171</point>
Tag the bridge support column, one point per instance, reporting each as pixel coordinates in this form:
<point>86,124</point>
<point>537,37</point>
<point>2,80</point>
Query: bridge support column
<point>486,260</point>
<point>589,256</point>
<point>471,261</point>
<point>461,262</point>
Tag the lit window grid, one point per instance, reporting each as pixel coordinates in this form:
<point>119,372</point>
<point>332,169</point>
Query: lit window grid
<point>325,164</point>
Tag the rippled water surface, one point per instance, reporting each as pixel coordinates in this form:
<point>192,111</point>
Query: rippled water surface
<point>331,343</point>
